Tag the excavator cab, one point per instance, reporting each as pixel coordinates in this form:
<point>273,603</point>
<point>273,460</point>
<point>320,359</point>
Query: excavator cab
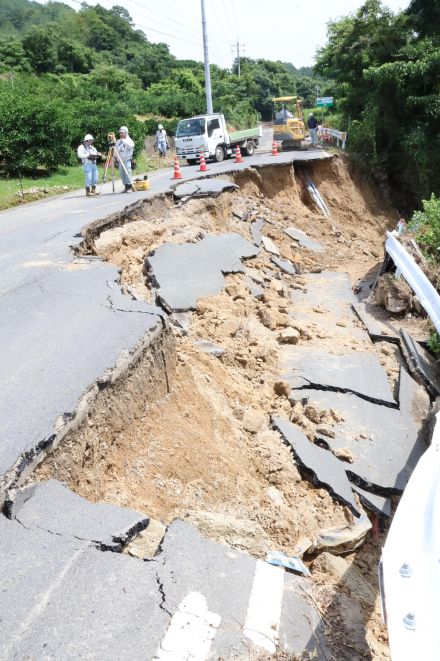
<point>288,122</point>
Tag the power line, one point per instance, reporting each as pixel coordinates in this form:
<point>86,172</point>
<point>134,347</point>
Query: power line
<point>167,34</point>
<point>229,25</point>
<point>235,16</point>
<point>156,13</point>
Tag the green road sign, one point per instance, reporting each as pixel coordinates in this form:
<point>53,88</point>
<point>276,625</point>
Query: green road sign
<point>325,101</point>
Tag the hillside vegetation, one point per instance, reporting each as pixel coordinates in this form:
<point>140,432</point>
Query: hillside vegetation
<point>64,72</point>
<point>386,69</point>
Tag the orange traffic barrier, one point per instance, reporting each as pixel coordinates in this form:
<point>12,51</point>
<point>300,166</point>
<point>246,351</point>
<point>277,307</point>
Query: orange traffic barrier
<point>238,156</point>
<point>202,167</point>
<point>274,149</point>
<point>177,174</point>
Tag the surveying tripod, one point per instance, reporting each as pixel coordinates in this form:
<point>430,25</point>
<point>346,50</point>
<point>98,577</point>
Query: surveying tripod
<point>110,163</point>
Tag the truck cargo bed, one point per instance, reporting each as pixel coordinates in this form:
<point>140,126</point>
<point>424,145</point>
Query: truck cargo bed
<point>247,134</point>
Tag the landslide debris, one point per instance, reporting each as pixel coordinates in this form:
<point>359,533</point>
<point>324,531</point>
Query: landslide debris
<point>199,445</point>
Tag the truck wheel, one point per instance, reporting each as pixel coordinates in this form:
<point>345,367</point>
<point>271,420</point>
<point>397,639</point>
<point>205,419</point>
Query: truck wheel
<point>219,154</point>
<point>250,148</point>
<point>191,161</point>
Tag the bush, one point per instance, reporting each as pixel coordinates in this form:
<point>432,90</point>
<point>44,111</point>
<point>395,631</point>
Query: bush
<point>34,133</point>
<point>426,225</point>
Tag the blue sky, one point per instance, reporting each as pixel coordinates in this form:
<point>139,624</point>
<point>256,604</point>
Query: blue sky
<point>288,30</point>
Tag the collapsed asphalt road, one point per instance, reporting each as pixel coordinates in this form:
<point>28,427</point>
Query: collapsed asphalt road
<point>236,357</point>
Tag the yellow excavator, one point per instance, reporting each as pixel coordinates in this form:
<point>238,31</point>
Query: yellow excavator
<point>288,122</point>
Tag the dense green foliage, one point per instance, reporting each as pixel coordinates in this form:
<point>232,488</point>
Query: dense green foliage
<point>426,225</point>
<point>92,70</point>
<point>386,67</point>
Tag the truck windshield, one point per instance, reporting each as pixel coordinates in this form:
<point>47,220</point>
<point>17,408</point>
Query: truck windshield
<point>188,127</point>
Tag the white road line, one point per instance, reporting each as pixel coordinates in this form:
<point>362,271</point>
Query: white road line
<point>264,610</point>
<point>191,631</point>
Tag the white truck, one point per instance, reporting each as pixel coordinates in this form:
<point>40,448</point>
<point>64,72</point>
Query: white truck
<point>210,134</point>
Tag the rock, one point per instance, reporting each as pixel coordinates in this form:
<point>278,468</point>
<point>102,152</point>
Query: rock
<point>276,285</point>
<point>253,420</point>
<point>345,454</point>
<point>236,291</point>
<point>394,294</point>
<point>270,246</point>
<point>147,542</point>
<point>276,496</point>
<point>325,431</point>
<point>289,336</point>
<point>312,413</point>
<point>282,388</point>
<point>268,318</point>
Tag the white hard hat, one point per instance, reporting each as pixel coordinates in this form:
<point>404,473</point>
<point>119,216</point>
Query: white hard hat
<point>123,128</point>
<point>311,114</point>
<point>160,127</point>
<point>88,137</point>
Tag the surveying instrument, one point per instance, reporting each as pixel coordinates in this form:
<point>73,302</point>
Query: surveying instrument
<point>110,163</point>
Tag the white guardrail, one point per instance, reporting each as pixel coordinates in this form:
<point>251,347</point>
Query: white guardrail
<point>417,280</point>
<point>341,136</point>
<point>410,565</point>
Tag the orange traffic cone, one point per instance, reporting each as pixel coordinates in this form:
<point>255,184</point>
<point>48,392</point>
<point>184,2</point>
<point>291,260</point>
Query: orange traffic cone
<point>238,156</point>
<point>202,167</point>
<point>177,174</point>
<point>274,149</point>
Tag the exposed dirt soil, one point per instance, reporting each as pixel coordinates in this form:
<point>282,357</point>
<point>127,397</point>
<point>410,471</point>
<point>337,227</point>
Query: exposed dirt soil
<point>200,445</point>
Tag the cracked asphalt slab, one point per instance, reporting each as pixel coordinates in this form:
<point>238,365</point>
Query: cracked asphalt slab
<point>66,599</point>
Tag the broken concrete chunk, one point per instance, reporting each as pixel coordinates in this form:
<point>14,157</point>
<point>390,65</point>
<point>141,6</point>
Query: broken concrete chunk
<point>284,264</point>
<point>343,539</point>
<point>303,239</point>
<point>53,507</point>
<point>256,228</point>
<point>210,347</point>
<point>421,364</point>
<point>189,271</point>
<point>255,290</point>
<point>270,246</point>
<point>323,468</point>
<point>203,188</point>
<point>377,327</point>
<point>414,407</point>
<point>360,373</point>
<point>380,505</point>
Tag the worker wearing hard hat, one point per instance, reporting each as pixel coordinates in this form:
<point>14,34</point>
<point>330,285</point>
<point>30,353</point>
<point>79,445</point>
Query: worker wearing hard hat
<point>124,151</point>
<point>88,155</point>
<point>312,125</point>
<point>161,144</point>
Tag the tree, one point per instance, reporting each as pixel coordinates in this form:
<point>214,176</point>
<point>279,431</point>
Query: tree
<point>13,56</point>
<point>40,47</point>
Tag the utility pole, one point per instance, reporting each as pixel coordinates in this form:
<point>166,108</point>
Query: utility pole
<point>236,48</point>
<point>208,92</point>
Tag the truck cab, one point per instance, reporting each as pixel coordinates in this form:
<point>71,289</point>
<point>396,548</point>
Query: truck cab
<point>209,133</point>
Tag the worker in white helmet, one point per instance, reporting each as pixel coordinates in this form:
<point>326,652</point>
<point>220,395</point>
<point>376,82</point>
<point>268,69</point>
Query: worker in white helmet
<point>124,152</point>
<point>88,155</point>
<point>161,144</point>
